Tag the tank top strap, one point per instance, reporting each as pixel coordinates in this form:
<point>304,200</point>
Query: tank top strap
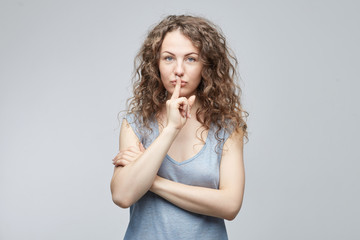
<point>146,136</point>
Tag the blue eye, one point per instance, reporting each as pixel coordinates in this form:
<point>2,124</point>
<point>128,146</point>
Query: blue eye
<point>168,58</point>
<point>191,59</point>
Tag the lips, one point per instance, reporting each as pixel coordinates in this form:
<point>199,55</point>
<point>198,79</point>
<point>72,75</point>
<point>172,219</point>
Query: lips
<point>183,83</point>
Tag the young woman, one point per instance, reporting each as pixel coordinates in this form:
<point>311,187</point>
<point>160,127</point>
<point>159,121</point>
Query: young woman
<point>180,166</point>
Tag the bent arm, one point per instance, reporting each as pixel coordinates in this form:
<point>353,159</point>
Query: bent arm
<point>224,202</point>
<point>131,182</point>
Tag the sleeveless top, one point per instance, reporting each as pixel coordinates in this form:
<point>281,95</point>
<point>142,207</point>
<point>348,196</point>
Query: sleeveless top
<point>153,217</point>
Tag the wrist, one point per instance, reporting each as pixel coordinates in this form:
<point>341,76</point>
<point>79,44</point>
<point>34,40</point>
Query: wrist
<point>169,130</point>
<point>155,184</point>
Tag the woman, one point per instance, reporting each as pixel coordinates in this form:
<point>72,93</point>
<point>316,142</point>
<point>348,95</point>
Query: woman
<point>180,166</point>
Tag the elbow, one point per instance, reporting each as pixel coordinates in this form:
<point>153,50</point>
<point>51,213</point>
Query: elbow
<point>232,212</point>
<point>121,201</point>
<point>230,216</point>
<point>119,197</point>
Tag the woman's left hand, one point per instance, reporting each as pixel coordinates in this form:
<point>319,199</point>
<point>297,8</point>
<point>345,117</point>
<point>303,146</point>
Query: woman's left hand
<point>128,155</point>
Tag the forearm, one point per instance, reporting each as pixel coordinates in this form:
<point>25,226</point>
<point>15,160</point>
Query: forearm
<point>220,203</point>
<point>135,179</point>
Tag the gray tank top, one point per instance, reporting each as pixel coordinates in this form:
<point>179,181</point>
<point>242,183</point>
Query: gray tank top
<point>153,217</point>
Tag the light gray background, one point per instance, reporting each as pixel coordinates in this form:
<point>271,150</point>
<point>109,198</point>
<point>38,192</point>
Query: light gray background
<point>65,69</point>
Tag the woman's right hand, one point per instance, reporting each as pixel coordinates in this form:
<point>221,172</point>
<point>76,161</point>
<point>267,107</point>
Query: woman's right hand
<point>128,155</point>
<point>178,108</point>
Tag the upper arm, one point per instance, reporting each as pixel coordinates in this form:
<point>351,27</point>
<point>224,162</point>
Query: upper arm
<point>232,172</point>
<point>127,136</point>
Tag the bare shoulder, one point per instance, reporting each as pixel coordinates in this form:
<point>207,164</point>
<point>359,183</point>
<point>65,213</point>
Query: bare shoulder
<point>235,142</point>
<point>127,137</point>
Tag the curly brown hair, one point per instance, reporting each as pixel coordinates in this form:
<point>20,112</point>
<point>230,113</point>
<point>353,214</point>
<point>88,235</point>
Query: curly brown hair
<point>217,93</point>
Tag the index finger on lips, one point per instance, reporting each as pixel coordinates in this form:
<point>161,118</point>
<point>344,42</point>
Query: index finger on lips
<point>176,92</point>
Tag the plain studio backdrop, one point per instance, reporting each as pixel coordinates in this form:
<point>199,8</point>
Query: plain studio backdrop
<point>65,70</point>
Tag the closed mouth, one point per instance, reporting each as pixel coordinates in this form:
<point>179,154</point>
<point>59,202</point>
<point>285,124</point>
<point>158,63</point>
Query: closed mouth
<point>174,82</point>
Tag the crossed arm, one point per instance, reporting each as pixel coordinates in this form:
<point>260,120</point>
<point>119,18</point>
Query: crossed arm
<point>224,202</point>
<point>136,170</point>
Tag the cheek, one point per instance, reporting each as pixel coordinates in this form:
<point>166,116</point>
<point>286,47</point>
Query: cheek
<point>196,74</point>
<point>164,73</point>
<point>164,77</point>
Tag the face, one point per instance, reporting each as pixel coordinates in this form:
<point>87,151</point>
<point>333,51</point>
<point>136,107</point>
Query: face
<point>179,57</point>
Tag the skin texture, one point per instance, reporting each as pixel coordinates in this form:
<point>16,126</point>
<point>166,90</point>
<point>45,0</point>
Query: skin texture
<point>180,58</point>
<point>136,169</point>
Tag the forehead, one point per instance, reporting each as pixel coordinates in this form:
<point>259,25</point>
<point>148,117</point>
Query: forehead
<point>176,42</point>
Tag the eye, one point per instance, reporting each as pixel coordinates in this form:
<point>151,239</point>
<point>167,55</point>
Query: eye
<point>191,59</point>
<point>168,58</point>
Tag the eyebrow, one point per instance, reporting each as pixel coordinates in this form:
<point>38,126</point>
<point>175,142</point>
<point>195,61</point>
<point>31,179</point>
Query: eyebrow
<point>185,54</point>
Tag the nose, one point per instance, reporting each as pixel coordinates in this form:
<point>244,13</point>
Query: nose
<point>179,69</point>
